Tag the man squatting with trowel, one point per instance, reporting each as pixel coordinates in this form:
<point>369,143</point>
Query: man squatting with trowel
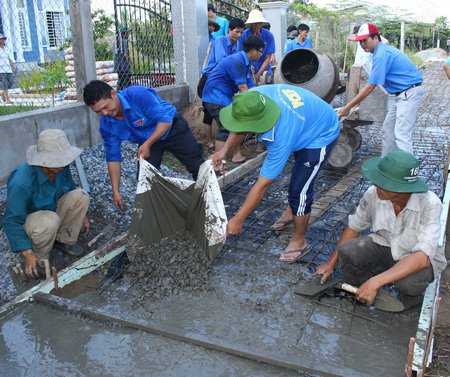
<point>404,219</point>
<point>43,204</point>
<point>290,120</point>
<point>139,115</point>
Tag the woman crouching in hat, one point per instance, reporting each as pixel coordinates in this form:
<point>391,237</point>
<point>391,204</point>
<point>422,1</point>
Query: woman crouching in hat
<point>43,205</point>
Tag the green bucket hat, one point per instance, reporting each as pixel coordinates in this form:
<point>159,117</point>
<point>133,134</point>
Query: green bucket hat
<point>398,171</point>
<point>250,111</point>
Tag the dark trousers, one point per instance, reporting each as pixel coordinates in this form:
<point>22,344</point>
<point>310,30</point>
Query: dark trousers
<point>182,144</point>
<point>362,258</point>
<point>214,110</point>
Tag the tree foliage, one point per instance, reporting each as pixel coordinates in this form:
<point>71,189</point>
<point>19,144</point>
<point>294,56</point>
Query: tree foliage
<point>333,26</point>
<point>102,24</point>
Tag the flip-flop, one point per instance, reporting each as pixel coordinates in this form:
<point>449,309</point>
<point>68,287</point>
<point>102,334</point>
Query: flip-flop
<point>280,224</point>
<point>239,162</point>
<point>301,252</point>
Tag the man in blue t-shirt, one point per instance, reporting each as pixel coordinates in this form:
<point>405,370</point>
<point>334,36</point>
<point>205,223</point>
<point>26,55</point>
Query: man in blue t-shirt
<point>290,120</point>
<point>400,78</point>
<point>222,47</point>
<point>231,75</point>
<point>256,21</point>
<point>139,115</point>
<point>302,41</point>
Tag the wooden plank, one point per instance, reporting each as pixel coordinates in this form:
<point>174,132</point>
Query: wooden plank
<point>304,362</point>
<point>444,213</point>
<point>237,173</point>
<point>80,169</point>
<point>73,272</point>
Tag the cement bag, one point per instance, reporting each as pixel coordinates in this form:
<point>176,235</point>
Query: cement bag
<point>165,206</point>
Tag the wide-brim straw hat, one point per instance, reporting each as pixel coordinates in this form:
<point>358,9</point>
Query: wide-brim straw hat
<point>53,150</point>
<point>255,16</point>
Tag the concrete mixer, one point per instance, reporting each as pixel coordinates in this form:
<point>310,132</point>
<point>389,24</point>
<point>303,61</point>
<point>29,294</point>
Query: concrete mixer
<point>318,73</point>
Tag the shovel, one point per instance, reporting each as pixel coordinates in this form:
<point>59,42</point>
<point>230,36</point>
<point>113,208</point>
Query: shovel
<point>313,287</point>
<point>384,300</point>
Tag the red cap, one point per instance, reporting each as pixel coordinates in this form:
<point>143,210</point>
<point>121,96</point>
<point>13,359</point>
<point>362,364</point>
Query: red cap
<point>366,30</point>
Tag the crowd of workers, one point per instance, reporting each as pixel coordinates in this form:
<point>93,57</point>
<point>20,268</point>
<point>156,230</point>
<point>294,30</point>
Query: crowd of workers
<point>401,213</point>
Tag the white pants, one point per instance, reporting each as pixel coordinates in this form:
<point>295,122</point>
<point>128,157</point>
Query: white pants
<point>64,225</point>
<point>399,122</point>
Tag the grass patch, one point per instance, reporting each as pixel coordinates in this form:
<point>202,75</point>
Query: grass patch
<point>8,110</point>
<point>418,62</point>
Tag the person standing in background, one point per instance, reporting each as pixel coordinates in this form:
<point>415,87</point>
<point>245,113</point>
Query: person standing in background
<point>7,69</point>
<point>213,26</point>
<point>256,21</point>
<point>302,41</point>
<point>401,79</point>
<point>222,22</point>
<point>122,59</point>
<point>220,49</point>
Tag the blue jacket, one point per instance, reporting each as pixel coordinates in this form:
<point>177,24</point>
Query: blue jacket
<point>143,110</point>
<point>29,190</point>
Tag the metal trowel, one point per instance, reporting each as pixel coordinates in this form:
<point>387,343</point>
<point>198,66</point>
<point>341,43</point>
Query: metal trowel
<point>384,300</point>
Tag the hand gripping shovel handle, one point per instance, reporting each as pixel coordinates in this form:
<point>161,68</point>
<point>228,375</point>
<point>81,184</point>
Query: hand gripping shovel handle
<point>349,288</point>
<point>384,301</point>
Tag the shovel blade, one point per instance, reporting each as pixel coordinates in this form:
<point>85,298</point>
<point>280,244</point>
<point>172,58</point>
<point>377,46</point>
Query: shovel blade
<point>312,287</point>
<point>388,303</point>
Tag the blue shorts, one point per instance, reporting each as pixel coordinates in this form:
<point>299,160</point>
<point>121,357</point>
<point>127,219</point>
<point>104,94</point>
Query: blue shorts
<point>308,163</point>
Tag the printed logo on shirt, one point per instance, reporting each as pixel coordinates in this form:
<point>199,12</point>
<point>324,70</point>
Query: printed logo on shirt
<point>307,164</point>
<point>139,122</point>
<point>293,97</point>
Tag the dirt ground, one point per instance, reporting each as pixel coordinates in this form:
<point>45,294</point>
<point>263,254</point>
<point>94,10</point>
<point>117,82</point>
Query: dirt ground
<point>440,366</point>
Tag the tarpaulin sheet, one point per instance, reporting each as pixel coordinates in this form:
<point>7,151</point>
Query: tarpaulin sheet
<point>166,205</point>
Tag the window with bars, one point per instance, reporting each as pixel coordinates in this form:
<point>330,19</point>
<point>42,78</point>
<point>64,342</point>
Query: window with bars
<point>55,29</point>
<point>23,26</point>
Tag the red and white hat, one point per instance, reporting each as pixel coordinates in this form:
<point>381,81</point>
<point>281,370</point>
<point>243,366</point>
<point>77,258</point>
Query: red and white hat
<point>365,31</point>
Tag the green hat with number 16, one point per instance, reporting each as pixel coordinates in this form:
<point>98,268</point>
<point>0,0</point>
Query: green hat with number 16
<point>250,111</point>
<point>398,171</point>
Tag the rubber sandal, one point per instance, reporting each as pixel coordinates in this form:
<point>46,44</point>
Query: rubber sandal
<point>301,253</point>
<point>280,224</point>
<point>239,162</point>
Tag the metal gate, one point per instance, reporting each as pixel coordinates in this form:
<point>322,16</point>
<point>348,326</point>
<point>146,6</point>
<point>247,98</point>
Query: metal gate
<point>144,53</point>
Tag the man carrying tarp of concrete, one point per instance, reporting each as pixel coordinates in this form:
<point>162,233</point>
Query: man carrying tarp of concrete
<point>139,115</point>
<point>290,120</point>
<point>404,219</point>
<point>43,204</point>
<point>399,76</point>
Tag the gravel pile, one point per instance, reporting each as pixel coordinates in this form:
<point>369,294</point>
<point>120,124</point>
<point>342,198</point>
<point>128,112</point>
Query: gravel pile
<point>175,264</point>
<point>432,54</point>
